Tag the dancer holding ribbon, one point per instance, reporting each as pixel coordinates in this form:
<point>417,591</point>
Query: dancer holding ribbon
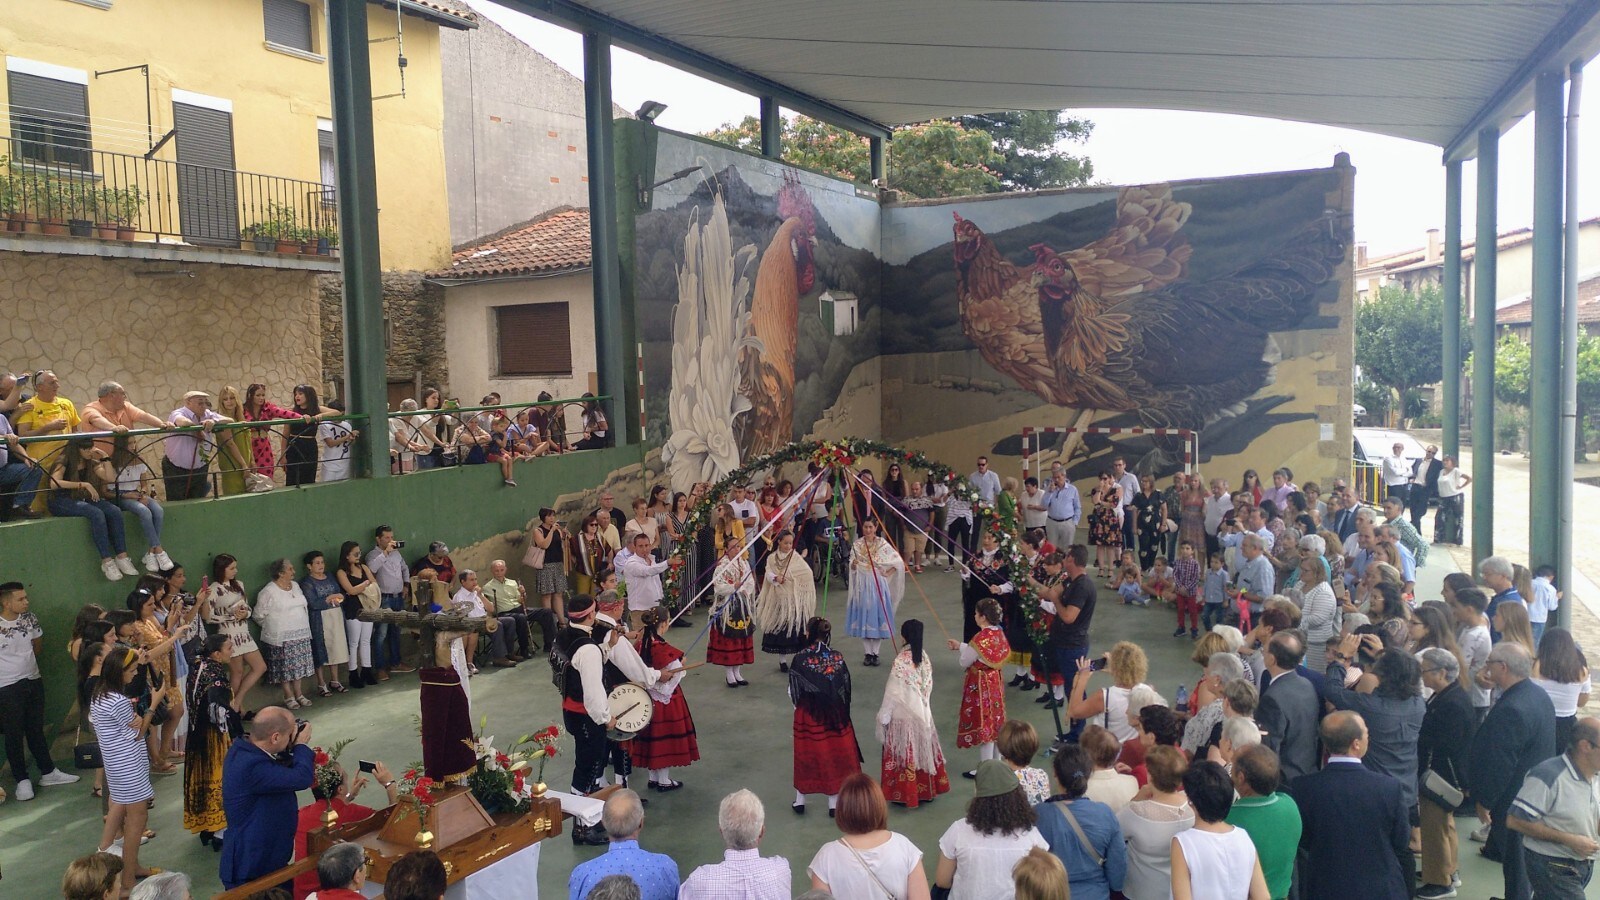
<point>788,599</point>
<point>877,581</point>
<point>731,645</point>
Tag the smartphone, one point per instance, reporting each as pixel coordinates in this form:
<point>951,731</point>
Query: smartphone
<point>367,766</point>
<point>1098,664</point>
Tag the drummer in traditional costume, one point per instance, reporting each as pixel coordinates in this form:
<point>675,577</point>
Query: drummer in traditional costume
<point>787,601</point>
<point>913,762</point>
<point>825,746</point>
<point>983,698</point>
<point>584,708</point>
<point>877,580</point>
<point>669,740</point>
<point>623,663</point>
<point>988,574</point>
<point>731,645</point>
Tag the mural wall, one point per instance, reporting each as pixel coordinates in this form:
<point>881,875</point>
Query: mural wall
<point>757,292</point>
<point>1220,306</point>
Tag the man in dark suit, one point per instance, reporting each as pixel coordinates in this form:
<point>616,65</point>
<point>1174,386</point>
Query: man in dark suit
<point>1424,485</point>
<point>1357,830</point>
<point>1518,733</point>
<point>1289,707</point>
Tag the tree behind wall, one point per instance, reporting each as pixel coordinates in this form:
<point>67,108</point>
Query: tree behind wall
<point>1399,340</point>
<point>944,158</point>
<point>1513,378</point>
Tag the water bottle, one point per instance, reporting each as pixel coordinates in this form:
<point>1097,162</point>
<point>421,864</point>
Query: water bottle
<point>1183,700</point>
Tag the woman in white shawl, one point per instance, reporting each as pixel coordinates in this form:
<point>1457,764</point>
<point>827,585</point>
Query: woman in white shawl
<point>877,580</point>
<point>913,761</point>
<point>731,645</point>
<point>787,602</point>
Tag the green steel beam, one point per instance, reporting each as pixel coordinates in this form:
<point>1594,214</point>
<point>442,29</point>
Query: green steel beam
<point>1483,302</point>
<point>771,129</point>
<point>610,335</point>
<point>366,369</point>
<point>1569,354</point>
<point>1544,402</point>
<point>581,18</point>
<point>1452,309</point>
<point>878,148</point>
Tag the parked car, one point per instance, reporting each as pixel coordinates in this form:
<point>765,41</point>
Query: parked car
<point>1358,414</point>
<point>1371,446</point>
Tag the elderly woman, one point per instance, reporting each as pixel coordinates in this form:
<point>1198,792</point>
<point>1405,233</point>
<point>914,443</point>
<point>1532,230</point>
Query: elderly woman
<point>1150,823</point>
<point>285,632</point>
<point>1442,747</point>
<point>977,852</point>
<point>1319,611</point>
<point>1129,667</point>
<point>1098,862</point>
<point>406,440</point>
<point>1220,669</point>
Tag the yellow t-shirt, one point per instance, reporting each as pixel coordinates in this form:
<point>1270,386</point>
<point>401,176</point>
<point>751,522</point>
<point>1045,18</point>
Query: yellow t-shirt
<point>42,413</point>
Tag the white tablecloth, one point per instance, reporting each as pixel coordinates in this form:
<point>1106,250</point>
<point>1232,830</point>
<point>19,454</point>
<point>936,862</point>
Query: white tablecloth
<point>515,876</point>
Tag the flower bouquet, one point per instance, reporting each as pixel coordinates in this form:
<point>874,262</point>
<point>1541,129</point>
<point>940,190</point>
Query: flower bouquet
<point>499,781</point>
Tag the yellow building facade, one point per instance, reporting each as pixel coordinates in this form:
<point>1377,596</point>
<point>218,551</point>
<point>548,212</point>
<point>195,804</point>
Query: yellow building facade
<point>257,70</point>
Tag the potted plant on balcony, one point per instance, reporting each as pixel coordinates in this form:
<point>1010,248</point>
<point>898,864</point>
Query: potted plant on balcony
<point>80,202</point>
<point>327,239</point>
<point>48,203</point>
<point>261,236</point>
<point>118,209</point>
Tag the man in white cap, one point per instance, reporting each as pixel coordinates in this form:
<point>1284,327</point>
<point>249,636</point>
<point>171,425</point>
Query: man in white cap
<point>188,454</point>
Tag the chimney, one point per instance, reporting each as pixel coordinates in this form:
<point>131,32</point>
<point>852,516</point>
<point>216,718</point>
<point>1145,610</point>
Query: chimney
<point>1361,254</point>
<point>1435,249</point>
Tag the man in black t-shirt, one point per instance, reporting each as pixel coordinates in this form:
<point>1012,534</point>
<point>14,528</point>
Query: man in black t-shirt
<point>1069,631</point>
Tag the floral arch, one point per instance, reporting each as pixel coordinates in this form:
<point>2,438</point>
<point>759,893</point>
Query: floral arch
<point>844,454</point>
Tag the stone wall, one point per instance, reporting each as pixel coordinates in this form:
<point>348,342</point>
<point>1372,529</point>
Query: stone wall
<point>160,334</point>
<point>413,313</point>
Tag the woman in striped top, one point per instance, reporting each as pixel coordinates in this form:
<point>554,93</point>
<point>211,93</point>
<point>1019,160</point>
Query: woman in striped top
<point>119,731</point>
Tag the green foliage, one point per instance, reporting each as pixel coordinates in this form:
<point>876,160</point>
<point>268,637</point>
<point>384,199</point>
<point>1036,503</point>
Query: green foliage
<point>1375,397</point>
<point>943,158</point>
<point>1028,140</point>
<point>1399,338</point>
<point>1513,370</point>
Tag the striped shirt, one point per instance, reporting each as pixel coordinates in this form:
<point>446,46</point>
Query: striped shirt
<point>1556,794</point>
<point>742,875</point>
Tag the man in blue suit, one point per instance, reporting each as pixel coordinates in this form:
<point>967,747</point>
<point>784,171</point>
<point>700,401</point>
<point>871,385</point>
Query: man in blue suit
<point>260,776</point>
<point>1357,831</point>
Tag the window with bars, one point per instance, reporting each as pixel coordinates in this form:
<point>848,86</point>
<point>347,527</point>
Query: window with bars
<point>49,120</point>
<point>534,339</point>
<point>288,23</point>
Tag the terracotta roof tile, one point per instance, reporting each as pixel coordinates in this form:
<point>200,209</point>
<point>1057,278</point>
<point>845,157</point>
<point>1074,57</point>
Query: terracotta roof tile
<point>452,13</point>
<point>1521,312</point>
<point>557,241</point>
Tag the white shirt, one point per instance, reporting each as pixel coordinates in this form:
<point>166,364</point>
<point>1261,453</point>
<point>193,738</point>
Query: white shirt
<point>1543,602</point>
<point>470,603</point>
<point>1129,483</point>
<point>17,662</point>
<point>986,483</point>
<point>129,478</point>
<point>1112,788</point>
<point>891,861</point>
<point>624,656</point>
<point>335,459</point>
<point>1450,482</point>
<point>1216,509</point>
<point>1564,697</point>
<point>983,861</point>
<point>281,613</point>
<point>1220,865</point>
<point>589,660</point>
<point>746,512</point>
<point>1149,826</point>
<point>742,875</point>
<point>644,582</point>
<point>1396,470</point>
<point>1033,518</point>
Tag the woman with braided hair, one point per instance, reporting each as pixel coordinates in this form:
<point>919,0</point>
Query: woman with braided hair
<point>913,761</point>
<point>669,739</point>
<point>825,745</point>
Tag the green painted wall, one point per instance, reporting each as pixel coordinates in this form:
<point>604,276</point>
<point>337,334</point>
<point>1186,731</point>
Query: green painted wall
<point>460,506</point>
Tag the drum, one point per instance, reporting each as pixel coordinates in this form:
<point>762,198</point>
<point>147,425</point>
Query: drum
<point>631,706</point>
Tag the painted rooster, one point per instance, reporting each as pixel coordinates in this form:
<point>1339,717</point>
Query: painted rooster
<point>1183,354</point>
<point>999,300</point>
<point>766,366</point>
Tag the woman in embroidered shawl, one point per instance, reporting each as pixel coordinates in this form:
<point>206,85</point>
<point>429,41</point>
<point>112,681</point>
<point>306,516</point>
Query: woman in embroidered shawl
<point>983,699</point>
<point>787,601</point>
<point>913,762</point>
<point>731,645</point>
<point>213,727</point>
<point>877,581</point>
<point>825,745</point>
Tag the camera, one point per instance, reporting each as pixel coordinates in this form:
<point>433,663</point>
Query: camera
<point>399,545</point>
<point>300,725</point>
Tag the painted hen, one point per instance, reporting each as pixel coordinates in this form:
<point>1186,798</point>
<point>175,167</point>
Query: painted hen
<point>766,366</point>
<point>1181,355</point>
<point>999,300</point>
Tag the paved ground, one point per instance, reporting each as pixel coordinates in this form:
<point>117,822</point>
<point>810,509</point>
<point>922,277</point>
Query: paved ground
<point>744,741</point>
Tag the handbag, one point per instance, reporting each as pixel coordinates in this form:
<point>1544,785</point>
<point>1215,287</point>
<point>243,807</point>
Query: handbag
<point>85,756</point>
<point>371,595</point>
<point>533,557</point>
<point>1440,791</point>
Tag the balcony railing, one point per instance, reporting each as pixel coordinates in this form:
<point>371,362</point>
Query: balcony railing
<point>118,196</point>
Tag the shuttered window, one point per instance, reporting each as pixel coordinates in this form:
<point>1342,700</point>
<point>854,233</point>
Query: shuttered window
<point>534,339</point>
<point>49,120</point>
<point>288,23</point>
<point>208,195</point>
<point>325,159</point>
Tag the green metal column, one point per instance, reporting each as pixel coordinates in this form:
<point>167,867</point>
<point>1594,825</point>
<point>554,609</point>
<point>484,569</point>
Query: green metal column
<point>1483,300</point>
<point>1544,406</point>
<point>1452,308</point>
<point>1569,356</point>
<point>771,129</point>
<point>612,351</point>
<point>878,148</point>
<point>366,369</point>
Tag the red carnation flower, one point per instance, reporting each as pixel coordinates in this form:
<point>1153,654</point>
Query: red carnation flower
<point>321,758</point>
<point>550,750</point>
<point>411,773</point>
<point>502,759</point>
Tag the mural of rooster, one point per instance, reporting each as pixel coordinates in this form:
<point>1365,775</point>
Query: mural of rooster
<point>1115,327</point>
<point>786,273</point>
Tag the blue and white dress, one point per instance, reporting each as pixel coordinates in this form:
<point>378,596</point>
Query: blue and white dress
<point>122,749</point>
<point>877,581</point>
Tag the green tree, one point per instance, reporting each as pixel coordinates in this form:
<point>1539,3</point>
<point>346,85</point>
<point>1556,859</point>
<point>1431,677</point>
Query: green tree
<point>942,158</point>
<point>1030,140</point>
<point>1399,339</point>
<point>1513,376</point>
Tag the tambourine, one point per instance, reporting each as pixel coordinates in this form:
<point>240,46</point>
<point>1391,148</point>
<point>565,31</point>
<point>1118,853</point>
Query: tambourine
<point>632,707</point>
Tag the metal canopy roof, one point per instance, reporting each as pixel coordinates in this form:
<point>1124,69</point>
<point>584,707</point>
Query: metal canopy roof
<point>1434,71</point>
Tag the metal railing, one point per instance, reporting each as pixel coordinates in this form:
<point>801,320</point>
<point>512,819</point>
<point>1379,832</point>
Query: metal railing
<point>118,196</point>
<point>236,470</point>
<point>1366,480</point>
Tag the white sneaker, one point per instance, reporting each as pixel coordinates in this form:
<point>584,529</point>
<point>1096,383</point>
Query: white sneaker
<point>56,776</point>
<point>24,790</point>
<point>164,561</point>
<point>150,563</point>
<point>1481,834</point>
<point>115,849</point>
<point>109,567</point>
<point>126,565</point>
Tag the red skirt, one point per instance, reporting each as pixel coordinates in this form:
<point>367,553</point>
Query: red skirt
<point>669,740</point>
<point>904,784</point>
<point>983,706</point>
<point>722,650</point>
<point>823,757</point>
